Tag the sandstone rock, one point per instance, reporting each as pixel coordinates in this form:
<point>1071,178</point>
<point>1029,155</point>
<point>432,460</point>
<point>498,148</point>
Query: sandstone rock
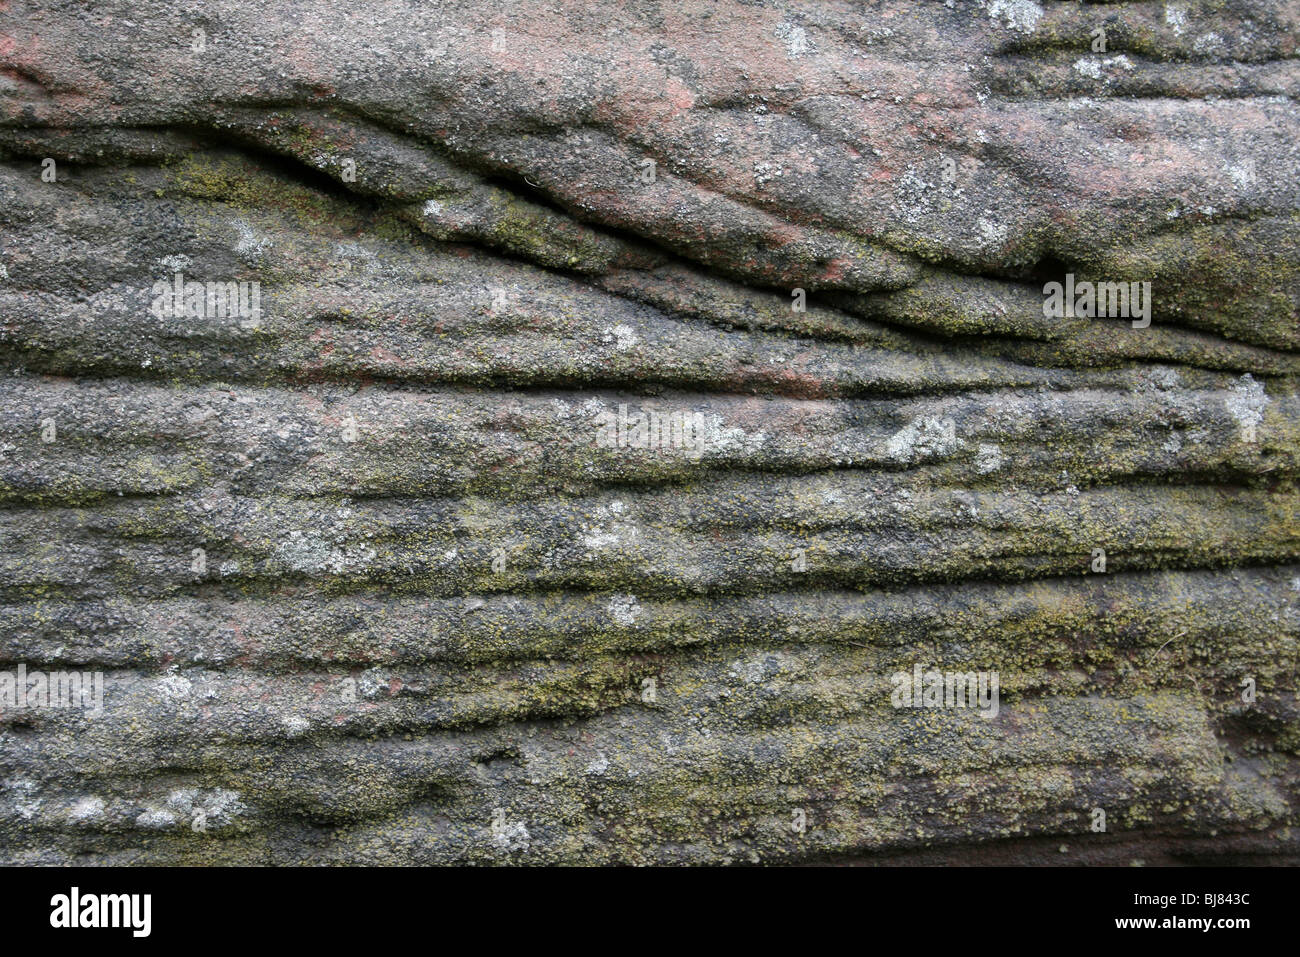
<point>388,567</point>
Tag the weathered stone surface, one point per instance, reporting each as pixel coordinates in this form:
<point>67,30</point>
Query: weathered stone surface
<point>366,585</point>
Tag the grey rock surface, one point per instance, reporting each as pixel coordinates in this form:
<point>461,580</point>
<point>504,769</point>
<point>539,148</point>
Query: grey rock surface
<point>377,566</point>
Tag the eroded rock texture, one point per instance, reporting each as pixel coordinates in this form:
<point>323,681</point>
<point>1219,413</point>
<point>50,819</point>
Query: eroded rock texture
<point>366,587</point>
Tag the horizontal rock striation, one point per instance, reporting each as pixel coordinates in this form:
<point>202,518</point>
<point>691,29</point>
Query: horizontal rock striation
<point>587,411</point>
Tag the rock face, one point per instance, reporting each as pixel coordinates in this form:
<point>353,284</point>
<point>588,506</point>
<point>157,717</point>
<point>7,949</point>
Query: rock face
<point>588,417</point>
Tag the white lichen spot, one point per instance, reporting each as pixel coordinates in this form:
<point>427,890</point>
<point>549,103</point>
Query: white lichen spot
<point>311,552</point>
<point>87,809</point>
<point>624,609</point>
<point>1246,403</point>
<point>988,458</point>
<point>612,529</point>
<point>26,801</point>
<point>224,805</point>
<point>1162,378</point>
<point>796,39</point>
<point>175,687</point>
<point>295,725</point>
<point>1022,15</point>
<point>1209,44</point>
<point>1176,17</point>
<point>991,233</point>
<point>917,196</point>
<point>217,806</point>
<point>177,262</point>
<point>1095,67</point>
<point>622,336</point>
<point>757,669</point>
<point>356,253</point>
<point>594,539</point>
<point>249,244</point>
<point>926,437</point>
<point>1242,174</point>
<point>1089,67</point>
<point>511,837</point>
<point>372,682</point>
<point>155,819</point>
<point>433,209</point>
<point>599,766</point>
<point>714,437</point>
